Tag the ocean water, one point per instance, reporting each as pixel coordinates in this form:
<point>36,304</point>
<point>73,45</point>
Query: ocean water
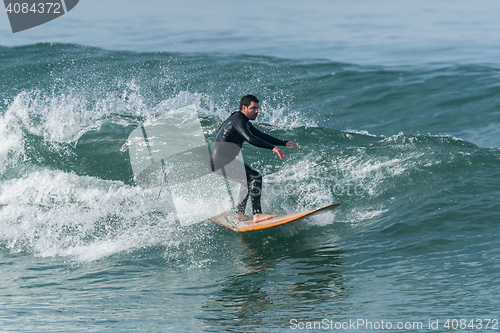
<point>395,107</point>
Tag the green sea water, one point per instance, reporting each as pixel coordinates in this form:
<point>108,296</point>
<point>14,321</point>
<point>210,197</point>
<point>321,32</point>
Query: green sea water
<point>410,152</point>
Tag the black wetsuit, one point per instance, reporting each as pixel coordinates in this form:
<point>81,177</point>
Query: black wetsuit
<point>227,145</point>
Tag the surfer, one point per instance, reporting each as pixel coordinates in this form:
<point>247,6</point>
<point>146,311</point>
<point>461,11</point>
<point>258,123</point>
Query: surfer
<point>227,145</point>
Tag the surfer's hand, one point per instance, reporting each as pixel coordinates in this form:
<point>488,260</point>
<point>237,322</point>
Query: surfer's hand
<point>279,152</point>
<point>291,143</point>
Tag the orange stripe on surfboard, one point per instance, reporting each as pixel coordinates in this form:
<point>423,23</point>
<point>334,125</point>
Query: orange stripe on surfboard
<point>244,226</point>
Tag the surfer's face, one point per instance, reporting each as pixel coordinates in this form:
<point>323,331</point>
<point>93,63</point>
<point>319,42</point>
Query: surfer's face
<point>251,111</point>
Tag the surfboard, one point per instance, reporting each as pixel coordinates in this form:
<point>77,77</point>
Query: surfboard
<point>228,219</point>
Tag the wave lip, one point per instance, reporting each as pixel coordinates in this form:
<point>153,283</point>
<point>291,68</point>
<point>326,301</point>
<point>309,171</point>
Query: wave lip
<point>67,183</point>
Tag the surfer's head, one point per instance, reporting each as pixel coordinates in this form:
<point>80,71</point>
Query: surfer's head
<point>246,100</point>
<point>249,106</point>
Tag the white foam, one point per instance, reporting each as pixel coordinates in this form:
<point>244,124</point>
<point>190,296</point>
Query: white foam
<point>58,119</point>
<point>280,116</point>
<point>11,139</point>
<point>283,117</point>
<point>300,182</point>
<point>357,179</point>
<point>360,132</point>
<point>51,213</point>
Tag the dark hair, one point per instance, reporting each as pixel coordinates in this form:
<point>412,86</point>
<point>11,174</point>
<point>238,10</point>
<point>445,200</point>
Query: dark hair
<point>247,100</point>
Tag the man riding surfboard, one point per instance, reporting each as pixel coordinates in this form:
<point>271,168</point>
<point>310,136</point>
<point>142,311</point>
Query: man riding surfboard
<point>227,144</point>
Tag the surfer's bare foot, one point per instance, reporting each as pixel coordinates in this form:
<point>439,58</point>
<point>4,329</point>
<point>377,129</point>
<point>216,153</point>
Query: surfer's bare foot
<point>262,217</point>
<point>242,217</point>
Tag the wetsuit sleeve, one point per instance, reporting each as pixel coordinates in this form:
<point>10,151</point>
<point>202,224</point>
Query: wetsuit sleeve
<point>266,137</point>
<point>250,137</point>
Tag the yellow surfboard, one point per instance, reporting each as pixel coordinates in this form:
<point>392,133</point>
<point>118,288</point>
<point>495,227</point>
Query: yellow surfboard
<point>229,221</point>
